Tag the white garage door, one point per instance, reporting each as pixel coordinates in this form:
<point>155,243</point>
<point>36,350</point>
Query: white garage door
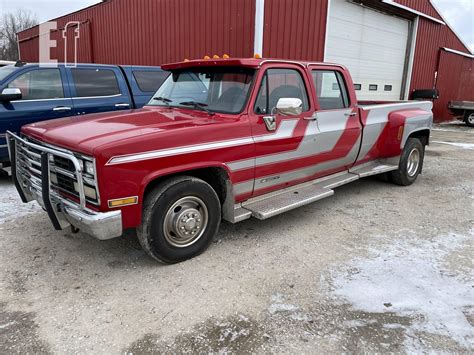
<point>372,45</point>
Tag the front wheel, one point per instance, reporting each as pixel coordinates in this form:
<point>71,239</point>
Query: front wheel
<point>469,118</point>
<point>180,218</point>
<point>411,162</point>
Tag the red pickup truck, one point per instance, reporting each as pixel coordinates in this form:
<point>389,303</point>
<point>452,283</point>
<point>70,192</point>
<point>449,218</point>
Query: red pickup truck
<point>221,139</point>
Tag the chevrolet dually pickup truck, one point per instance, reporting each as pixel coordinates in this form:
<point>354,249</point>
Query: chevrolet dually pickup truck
<point>221,139</point>
<point>32,92</point>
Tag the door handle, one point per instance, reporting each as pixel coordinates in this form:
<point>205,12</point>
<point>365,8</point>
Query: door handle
<point>61,109</point>
<point>122,105</point>
<point>352,114</point>
<point>313,117</point>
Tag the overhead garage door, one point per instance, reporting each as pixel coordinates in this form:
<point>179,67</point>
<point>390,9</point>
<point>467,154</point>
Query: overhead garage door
<point>372,45</point>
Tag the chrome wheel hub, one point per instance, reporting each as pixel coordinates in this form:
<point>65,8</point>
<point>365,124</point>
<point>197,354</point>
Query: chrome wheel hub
<point>413,162</point>
<point>185,221</point>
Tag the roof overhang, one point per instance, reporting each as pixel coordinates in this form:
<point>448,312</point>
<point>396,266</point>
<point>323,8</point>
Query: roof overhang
<point>458,52</point>
<point>415,12</point>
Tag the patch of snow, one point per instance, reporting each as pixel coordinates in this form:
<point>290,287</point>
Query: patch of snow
<point>459,145</point>
<point>451,130</point>
<point>409,275</point>
<point>279,306</point>
<point>11,205</point>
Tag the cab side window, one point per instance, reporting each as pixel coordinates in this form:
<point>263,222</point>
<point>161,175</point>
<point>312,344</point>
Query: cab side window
<point>277,84</point>
<point>39,84</point>
<point>331,89</point>
<point>95,82</point>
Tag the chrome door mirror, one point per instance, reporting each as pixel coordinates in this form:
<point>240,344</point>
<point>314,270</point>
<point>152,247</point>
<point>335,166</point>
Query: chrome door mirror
<point>289,106</point>
<point>10,94</point>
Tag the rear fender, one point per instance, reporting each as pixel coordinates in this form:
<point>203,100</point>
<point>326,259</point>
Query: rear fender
<point>417,121</point>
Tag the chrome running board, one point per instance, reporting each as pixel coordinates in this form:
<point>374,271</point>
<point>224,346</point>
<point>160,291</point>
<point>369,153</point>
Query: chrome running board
<point>272,206</point>
<point>372,168</point>
<point>277,202</point>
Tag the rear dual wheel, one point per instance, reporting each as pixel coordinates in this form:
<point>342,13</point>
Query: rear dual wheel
<point>410,164</point>
<point>469,118</point>
<point>180,218</point>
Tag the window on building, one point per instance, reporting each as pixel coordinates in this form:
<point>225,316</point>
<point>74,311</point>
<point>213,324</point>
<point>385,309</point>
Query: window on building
<point>373,87</point>
<point>331,89</point>
<point>39,84</point>
<point>277,84</point>
<point>387,88</point>
<point>357,87</point>
<point>150,81</point>
<point>95,82</point>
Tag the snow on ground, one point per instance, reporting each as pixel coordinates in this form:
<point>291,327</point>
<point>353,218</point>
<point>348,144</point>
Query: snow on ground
<point>459,145</point>
<point>11,205</point>
<point>409,277</point>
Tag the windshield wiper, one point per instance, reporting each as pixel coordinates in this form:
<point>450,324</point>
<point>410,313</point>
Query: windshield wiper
<point>198,105</point>
<point>163,99</point>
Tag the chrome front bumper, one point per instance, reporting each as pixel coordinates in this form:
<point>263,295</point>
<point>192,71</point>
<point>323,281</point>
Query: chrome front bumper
<point>62,212</point>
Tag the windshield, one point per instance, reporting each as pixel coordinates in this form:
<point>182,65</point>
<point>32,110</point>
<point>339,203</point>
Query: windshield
<point>6,71</point>
<point>210,89</point>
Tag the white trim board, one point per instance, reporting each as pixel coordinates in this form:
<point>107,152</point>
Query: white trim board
<point>259,27</point>
<point>409,9</point>
<point>458,52</point>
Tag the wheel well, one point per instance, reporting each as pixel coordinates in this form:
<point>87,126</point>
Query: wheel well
<point>423,136</point>
<point>214,176</point>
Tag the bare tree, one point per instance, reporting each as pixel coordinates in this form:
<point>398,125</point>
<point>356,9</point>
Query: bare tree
<point>10,25</point>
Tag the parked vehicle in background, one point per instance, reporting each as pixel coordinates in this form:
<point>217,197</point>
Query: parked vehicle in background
<point>5,63</point>
<point>221,139</point>
<point>463,110</point>
<point>31,93</point>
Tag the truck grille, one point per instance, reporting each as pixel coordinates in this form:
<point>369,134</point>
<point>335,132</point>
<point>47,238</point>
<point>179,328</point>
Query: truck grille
<point>63,178</point>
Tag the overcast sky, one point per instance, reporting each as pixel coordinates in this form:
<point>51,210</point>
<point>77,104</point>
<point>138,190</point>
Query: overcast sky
<point>459,13</point>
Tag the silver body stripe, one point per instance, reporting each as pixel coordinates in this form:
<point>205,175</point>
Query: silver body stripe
<point>267,181</point>
<point>321,135</point>
<point>285,130</point>
<point>243,187</point>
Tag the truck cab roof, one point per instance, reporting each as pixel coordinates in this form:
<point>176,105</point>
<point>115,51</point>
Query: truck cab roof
<point>254,63</point>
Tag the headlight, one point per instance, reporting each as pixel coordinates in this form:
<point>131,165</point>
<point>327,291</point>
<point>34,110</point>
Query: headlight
<point>89,167</point>
<point>88,191</point>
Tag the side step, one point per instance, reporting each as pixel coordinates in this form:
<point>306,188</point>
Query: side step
<point>272,204</point>
<point>372,168</point>
<point>286,201</point>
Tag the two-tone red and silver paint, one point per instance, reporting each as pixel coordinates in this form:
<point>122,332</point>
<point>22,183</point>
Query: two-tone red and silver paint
<point>132,149</point>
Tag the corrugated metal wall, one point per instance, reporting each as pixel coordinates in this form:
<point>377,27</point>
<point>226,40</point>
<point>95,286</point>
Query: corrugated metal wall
<point>455,81</point>
<point>295,29</point>
<point>431,38</point>
<point>153,32</point>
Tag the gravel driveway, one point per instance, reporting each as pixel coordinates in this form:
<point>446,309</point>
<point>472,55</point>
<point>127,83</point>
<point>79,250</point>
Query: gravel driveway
<point>376,268</point>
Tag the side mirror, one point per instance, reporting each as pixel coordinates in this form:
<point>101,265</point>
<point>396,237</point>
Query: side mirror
<point>10,94</point>
<point>289,106</point>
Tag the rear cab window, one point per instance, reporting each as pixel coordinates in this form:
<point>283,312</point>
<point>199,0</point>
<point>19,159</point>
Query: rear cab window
<point>148,80</point>
<point>280,83</point>
<point>331,90</point>
<point>95,82</point>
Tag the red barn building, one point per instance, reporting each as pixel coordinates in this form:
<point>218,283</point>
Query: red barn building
<point>391,47</point>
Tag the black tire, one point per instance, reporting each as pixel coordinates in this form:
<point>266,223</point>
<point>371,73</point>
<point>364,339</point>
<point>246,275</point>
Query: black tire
<point>157,237</point>
<point>406,173</point>
<point>469,118</point>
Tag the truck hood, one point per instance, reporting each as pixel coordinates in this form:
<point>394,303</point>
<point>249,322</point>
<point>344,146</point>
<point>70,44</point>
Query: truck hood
<point>85,133</point>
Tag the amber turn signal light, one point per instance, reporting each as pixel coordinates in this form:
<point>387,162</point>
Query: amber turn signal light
<point>123,202</point>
